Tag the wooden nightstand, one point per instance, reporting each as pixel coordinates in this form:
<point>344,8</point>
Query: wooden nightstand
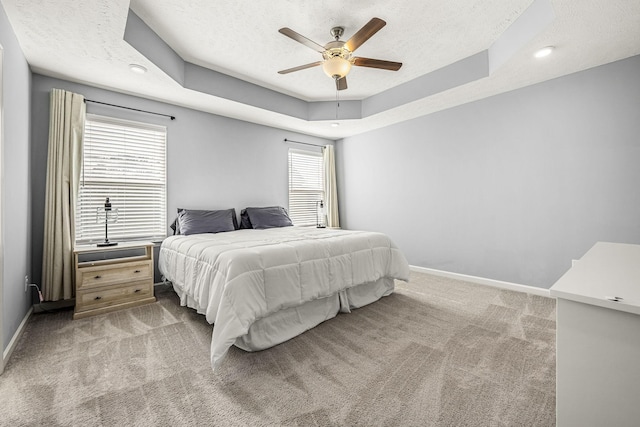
<point>112,278</point>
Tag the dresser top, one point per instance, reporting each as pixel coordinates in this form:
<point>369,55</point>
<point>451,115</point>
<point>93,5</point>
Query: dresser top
<point>606,271</point>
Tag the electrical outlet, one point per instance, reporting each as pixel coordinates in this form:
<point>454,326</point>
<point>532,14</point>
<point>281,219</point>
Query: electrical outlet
<point>26,282</point>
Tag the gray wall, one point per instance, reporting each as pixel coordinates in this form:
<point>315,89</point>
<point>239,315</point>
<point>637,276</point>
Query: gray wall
<point>212,161</point>
<point>15,183</point>
<point>509,188</point>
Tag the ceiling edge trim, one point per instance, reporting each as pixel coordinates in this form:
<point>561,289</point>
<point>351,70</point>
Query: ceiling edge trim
<point>453,75</point>
<point>150,45</point>
<point>531,23</point>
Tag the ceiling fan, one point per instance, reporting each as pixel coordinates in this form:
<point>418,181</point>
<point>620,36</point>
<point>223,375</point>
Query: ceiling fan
<point>337,57</point>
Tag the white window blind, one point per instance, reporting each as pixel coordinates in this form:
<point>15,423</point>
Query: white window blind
<point>125,161</point>
<point>306,186</point>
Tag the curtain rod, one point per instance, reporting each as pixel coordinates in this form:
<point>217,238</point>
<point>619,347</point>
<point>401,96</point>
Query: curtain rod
<point>129,108</point>
<point>304,143</point>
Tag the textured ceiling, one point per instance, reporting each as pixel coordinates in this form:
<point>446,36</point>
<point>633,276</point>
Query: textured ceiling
<point>83,42</point>
<point>246,43</point>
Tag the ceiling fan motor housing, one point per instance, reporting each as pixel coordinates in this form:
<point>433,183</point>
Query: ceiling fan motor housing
<point>336,49</point>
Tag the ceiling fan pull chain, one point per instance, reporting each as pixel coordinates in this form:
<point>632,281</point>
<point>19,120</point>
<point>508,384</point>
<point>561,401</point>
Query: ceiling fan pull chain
<point>337,101</point>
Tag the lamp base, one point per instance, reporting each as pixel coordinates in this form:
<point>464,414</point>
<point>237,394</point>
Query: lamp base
<point>103,244</point>
<point>321,226</point>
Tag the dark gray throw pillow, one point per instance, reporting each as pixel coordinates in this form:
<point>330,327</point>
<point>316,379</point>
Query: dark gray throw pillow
<point>269,217</point>
<point>245,222</point>
<point>175,225</point>
<point>196,222</point>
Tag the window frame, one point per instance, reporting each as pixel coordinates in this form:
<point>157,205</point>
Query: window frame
<point>89,234</point>
<point>305,218</point>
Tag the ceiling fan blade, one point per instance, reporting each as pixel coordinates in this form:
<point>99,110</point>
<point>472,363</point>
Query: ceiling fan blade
<point>341,84</point>
<point>301,39</point>
<point>364,33</point>
<point>300,67</point>
<point>377,63</point>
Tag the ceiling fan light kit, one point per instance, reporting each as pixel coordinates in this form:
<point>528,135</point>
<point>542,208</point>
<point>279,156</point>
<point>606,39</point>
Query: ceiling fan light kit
<point>336,67</point>
<point>337,58</point>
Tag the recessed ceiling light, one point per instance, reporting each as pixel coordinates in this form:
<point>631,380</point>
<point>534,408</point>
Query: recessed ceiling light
<point>545,51</point>
<point>335,124</point>
<point>138,69</point>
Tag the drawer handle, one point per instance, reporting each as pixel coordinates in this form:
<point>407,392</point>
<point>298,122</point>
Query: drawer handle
<point>98,297</point>
<point>136,291</point>
<point>98,277</point>
<point>137,271</point>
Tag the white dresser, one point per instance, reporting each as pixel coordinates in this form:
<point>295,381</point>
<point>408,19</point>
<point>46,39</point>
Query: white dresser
<point>598,340</point>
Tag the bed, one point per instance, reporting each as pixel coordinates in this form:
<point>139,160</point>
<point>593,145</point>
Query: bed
<point>261,287</point>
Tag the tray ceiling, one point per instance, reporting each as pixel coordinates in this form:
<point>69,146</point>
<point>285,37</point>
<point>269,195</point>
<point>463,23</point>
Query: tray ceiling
<point>84,42</point>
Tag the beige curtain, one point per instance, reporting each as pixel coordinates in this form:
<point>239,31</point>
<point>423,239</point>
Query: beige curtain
<point>330,186</point>
<point>66,129</point>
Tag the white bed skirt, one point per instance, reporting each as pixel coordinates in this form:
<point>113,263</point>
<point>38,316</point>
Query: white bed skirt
<point>291,322</point>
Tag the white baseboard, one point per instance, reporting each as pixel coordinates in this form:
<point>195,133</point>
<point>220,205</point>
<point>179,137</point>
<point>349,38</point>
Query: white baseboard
<point>482,281</point>
<point>14,341</point>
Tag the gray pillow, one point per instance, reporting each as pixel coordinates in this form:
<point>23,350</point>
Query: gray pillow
<point>245,222</point>
<point>269,217</point>
<point>175,225</point>
<point>197,222</point>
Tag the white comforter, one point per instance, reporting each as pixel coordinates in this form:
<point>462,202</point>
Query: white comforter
<point>238,277</point>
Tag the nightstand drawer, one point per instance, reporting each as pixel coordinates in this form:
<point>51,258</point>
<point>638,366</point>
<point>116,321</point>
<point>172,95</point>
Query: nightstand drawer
<point>112,295</point>
<point>90,277</point>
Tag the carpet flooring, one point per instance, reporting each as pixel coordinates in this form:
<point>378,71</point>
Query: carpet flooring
<point>437,352</point>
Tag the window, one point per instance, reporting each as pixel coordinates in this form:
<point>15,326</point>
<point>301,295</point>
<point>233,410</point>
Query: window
<point>306,186</point>
<point>125,161</point>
